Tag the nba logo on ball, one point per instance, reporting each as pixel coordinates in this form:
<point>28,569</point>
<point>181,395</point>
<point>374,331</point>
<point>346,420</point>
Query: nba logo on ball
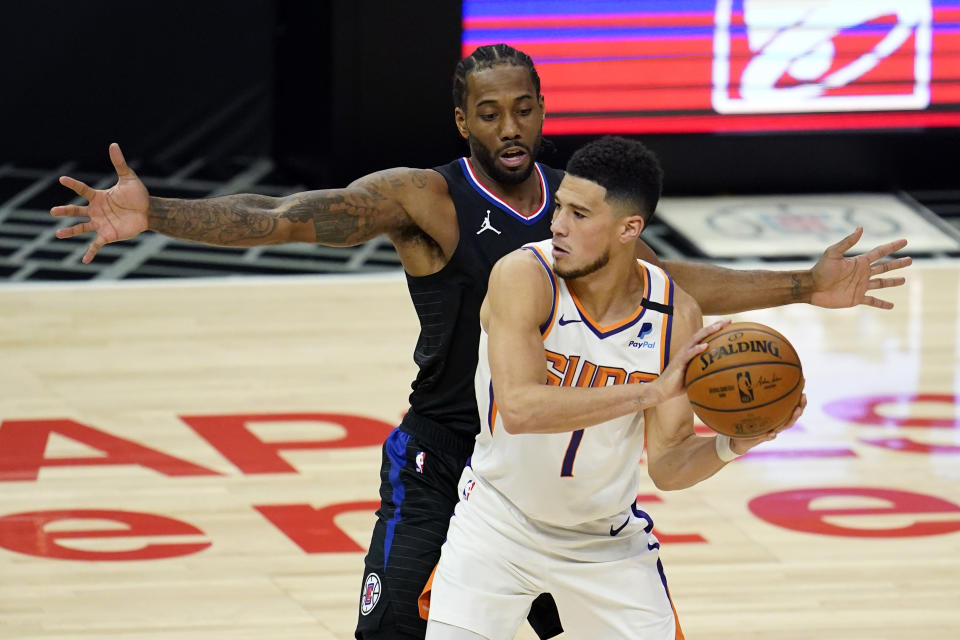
<point>745,386</point>
<point>371,594</point>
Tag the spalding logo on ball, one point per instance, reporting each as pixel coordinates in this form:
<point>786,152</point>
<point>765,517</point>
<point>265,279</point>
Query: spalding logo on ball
<point>747,382</point>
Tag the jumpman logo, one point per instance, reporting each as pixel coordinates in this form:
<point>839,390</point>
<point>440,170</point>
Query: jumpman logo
<point>486,226</point>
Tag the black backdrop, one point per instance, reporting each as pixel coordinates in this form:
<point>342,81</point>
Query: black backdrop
<point>335,89</point>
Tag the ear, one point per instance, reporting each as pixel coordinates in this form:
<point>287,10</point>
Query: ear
<point>543,110</point>
<point>632,227</point>
<point>460,117</point>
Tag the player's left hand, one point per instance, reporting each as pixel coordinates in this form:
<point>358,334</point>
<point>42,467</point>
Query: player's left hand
<point>742,445</point>
<point>840,281</point>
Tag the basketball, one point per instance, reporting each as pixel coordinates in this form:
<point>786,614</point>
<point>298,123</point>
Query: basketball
<point>747,382</point>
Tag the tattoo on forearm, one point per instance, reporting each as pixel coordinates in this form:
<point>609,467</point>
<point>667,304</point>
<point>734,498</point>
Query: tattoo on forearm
<point>796,290</point>
<point>225,221</point>
<point>339,217</point>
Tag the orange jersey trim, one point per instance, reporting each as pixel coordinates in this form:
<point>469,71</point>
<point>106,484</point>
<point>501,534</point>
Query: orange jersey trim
<point>631,319</point>
<point>547,326</point>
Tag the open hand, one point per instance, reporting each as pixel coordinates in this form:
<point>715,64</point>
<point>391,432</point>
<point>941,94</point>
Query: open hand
<point>840,281</point>
<point>671,382</point>
<point>117,213</point>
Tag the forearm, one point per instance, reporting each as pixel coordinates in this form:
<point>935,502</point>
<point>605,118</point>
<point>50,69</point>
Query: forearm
<point>549,409</point>
<point>240,220</point>
<point>721,291</point>
<point>686,463</point>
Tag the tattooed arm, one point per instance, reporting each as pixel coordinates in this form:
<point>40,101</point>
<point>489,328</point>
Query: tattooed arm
<point>370,206</point>
<point>367,208</point>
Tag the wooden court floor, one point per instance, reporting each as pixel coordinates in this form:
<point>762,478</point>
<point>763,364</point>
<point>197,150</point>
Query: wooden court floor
<point>200,460</point>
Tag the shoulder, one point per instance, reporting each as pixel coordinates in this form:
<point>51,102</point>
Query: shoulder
<point>520,265</point>
<point>687,317</point>
<point>521,288</point>
<point>402,181</point>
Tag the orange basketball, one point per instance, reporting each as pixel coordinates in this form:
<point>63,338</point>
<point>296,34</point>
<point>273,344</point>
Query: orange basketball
<point>747,382</point>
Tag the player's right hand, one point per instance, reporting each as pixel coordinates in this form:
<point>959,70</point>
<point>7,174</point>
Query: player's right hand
<point>671,380</point>
<point>117,213</point>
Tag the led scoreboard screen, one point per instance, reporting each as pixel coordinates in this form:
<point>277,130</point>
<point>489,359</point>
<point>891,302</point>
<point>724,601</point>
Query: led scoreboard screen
<point>666,66</point>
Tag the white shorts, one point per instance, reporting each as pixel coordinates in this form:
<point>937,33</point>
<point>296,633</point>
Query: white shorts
<point>605,576</point>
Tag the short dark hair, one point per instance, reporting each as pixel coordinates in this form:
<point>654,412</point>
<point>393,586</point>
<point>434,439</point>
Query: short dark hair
<point>486,57</point>
<point>625,168</point>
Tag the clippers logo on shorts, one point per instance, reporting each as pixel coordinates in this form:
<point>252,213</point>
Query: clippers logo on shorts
<point>421,456</point>
<point>371,594</point>
<point>779,56</point>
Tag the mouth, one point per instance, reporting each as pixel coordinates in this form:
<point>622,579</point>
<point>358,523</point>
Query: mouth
<point>514,156</point>
<point>558,251</point>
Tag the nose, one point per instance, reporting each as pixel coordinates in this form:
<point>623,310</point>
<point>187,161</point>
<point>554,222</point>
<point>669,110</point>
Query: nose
<point>558,225</point>
<point>510,129</point>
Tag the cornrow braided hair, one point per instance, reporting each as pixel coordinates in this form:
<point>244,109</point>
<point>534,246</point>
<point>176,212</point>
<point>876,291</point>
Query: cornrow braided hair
<point>486,57</point>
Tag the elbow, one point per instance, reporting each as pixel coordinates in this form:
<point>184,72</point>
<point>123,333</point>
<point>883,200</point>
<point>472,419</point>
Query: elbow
<point>515,419</point>
<point>513,423</point>
<point>664,481</point>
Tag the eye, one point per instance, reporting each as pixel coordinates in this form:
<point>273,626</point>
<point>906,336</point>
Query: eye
<point>525,112</point>
<point>488,117</point>
<point>577,214</point>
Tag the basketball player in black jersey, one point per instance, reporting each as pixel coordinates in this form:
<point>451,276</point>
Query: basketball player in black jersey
<point>449,226</point>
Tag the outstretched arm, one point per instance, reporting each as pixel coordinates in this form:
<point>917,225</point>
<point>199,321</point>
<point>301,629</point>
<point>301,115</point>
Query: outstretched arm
<point>370,206</point>
<point>835,281</point>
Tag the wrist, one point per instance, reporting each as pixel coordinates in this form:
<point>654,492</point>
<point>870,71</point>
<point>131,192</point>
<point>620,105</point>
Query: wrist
<point>801,286</point>
<point>724,451</point>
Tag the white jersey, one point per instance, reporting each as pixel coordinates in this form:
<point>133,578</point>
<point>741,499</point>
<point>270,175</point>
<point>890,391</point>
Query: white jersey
<point>570,478</point>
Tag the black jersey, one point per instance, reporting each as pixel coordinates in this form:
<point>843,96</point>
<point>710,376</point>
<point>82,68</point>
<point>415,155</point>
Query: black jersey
<point>448,301</point>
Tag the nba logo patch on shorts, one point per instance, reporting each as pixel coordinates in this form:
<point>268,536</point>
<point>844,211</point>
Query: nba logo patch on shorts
<point>371,594</point>
<point>421,456</point>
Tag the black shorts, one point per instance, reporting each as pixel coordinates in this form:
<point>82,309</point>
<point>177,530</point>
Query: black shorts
<point>418,492</point>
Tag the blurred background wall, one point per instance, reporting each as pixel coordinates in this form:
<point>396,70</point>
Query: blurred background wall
<point>332,90</point>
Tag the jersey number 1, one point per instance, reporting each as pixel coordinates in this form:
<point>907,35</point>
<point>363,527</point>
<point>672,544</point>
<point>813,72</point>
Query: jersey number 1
<point>566,471</point>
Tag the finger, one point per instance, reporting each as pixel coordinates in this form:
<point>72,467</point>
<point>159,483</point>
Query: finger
<point>75,230</point>
<point>95,246</point>
<point>710,329</point>
<point>890,265</point>
<point>68,211</point>
<point>78,187</point>
<point>119,162</point>
<point>876,302</point>
<point>845,244</point>
<point>883,283</point>
<point>886,249</point>
<point>795,416</point>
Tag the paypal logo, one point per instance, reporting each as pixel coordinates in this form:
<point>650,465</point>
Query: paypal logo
<point>645,329</point>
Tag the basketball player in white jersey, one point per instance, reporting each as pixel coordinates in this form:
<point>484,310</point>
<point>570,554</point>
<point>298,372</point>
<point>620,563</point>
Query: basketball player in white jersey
<point>582,360</point>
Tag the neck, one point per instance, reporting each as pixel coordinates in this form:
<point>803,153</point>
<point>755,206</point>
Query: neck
<point>612,292</point>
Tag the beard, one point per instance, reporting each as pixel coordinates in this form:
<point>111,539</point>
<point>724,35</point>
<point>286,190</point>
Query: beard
<point>488,161</point>
<point>573,274</point>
